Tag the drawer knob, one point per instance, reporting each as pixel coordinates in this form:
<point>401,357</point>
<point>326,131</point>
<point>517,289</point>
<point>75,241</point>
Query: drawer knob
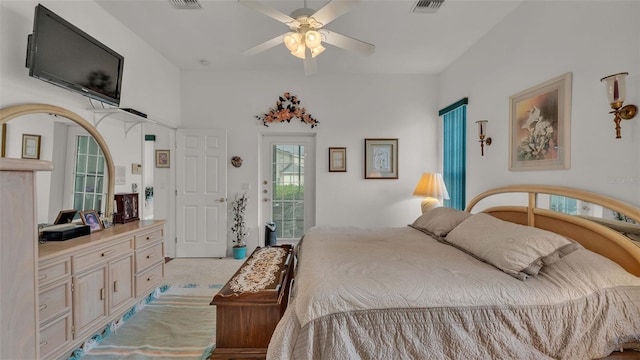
<point>151,277</point>
<point>43,343</point>
<point>148,237</point>
<point>107,253</point>
<point>43,306</point>
<point>151,255</point>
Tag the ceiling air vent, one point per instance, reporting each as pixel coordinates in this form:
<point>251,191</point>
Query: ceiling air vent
<point>427,6</point>
<point>186,4</point>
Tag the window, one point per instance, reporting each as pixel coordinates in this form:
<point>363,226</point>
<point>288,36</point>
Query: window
<point>454,152</point>
<point>89,175</point>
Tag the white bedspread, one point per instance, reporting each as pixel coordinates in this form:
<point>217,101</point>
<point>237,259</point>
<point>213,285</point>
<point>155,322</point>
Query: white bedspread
<point>396,293</point>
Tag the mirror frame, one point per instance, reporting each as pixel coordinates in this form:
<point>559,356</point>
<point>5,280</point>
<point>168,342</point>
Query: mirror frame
<point>14,111</point>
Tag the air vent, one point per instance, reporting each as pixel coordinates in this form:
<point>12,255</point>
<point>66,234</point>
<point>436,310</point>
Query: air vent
<point>186,4</point>
<point>427,6</point>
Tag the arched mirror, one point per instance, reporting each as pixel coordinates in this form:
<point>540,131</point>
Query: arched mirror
<point>91,143</point>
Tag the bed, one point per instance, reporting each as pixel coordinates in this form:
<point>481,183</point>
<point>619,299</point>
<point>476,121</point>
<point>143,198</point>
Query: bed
<point>507,282</point>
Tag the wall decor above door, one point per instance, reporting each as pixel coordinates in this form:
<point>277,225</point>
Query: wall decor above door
<point>287,107</point>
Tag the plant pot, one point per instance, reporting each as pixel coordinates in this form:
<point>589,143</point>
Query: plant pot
<point>239,252</point>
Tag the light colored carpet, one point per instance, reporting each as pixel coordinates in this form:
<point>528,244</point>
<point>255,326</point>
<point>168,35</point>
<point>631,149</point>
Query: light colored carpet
<point>200,271</point>
<point>180,323</point>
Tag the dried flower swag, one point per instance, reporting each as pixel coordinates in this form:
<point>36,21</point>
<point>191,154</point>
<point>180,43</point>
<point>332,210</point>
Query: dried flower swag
<point>287,107</point>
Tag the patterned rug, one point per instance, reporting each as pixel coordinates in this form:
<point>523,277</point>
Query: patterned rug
<point>179,324</point>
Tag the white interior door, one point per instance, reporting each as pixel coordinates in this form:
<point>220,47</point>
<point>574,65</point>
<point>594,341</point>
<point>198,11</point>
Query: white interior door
<point>288,184</point>
<point>201,182</point>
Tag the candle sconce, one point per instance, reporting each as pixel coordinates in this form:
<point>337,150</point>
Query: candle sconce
<point>482,132</point>
<point>616,94</point>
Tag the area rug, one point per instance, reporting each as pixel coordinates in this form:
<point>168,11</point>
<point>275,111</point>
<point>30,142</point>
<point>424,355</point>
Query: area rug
<point>178,324</point>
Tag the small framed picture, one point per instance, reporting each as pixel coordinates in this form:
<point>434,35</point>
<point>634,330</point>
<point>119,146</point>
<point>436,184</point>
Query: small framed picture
<point>30,146</point>
<point>91,218</point>
<point>337,159</point>
<point>380,158</point>
<point>162,158</point>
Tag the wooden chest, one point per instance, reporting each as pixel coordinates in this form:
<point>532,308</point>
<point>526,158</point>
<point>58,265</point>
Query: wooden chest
<point>249,307</point>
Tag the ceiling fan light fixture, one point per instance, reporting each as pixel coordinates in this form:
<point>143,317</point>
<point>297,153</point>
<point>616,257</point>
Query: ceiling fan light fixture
<point>312,39</point>
<point>293,41</point>
<point>299,52</point>
<point>317,51</point>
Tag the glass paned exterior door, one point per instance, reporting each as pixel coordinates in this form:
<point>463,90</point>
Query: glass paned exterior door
<point>88,189</point>
<point>288,203</point>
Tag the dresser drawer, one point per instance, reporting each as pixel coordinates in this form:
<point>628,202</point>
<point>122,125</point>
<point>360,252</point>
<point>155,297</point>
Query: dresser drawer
<point>149,279</point>
<point>86,260</point>
<point>54,300</point>
<point>55,336</point>
<point>149,237</point>
<point>149,256</point>
<point>50,272</point>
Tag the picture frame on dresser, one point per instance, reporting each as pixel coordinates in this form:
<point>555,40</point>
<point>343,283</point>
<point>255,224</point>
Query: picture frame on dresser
<point>91,218</point>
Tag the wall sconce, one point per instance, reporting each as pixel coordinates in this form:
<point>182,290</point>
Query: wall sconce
<point>482,132</point>
<point>431,186</point>
<point>616,93</point>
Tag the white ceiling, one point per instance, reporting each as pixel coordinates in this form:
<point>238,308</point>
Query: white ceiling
<point>406,42</point>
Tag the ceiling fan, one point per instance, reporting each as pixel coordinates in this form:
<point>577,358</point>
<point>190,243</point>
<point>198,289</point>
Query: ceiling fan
<point>307,31</point>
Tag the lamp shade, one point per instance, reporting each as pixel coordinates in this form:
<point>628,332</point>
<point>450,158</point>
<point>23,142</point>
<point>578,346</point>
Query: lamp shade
<point>616,87</point>
<point>431,185</point>
<point>312,39</point>
<point>292,40</point>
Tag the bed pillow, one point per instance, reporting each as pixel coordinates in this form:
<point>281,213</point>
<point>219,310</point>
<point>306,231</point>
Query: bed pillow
<point>440,221</point>
<point>518,250</point>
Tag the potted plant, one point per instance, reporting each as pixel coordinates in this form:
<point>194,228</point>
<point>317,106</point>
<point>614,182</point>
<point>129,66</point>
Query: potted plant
<point>239,227</point>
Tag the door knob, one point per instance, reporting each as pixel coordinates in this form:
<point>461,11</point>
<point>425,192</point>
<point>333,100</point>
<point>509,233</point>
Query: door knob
<point>265,199</point>
<point>221,200</point>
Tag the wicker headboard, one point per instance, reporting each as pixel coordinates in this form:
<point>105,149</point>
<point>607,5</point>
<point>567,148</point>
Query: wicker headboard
<point>595,235</point>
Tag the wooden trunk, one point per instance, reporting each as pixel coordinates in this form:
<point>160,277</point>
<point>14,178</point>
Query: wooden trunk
<point>245,320</point>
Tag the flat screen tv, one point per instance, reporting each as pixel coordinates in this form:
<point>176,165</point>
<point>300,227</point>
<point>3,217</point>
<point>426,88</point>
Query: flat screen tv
<point>63,55</point>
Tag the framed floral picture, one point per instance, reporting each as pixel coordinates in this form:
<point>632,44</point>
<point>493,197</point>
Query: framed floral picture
<point>540,126</point>
<point>162,158</point>
<point>380,158</point>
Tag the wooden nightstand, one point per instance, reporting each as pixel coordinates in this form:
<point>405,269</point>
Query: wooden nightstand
<point>245,320</point>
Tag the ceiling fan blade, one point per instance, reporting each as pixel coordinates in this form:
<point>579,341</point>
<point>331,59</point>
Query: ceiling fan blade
<point>332,10</point>
<point>348,43</point>
<point>264,46</point>
<point>270,12</point>
<point>310,64</point>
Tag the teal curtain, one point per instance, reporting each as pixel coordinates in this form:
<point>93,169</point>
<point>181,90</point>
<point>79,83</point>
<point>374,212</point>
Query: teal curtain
<point>454,168</point>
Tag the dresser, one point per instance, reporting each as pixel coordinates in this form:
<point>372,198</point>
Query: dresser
<point>87,282</point>
<point>248,307</point>
<point>19,317</point>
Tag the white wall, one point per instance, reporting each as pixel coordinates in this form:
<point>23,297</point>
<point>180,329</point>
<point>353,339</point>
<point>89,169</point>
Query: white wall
<point>350,108</point>
<point>536,42</point>
<point>150,83</point>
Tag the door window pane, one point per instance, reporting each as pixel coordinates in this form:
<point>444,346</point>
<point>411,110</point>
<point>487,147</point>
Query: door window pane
<point>89,177</point>
<point>288,190</point>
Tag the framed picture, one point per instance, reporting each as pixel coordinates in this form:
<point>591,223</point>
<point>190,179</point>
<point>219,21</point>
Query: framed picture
<point>162,158</point>
<point>540,126</point>
<point>91,218</point>
<point>30,146</point>
<point>380,158</point>
<point>337,159</point>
